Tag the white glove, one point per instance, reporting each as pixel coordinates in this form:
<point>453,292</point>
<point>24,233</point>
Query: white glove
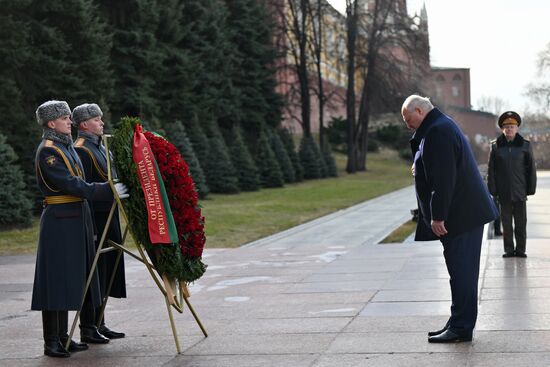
<point>121,190</point>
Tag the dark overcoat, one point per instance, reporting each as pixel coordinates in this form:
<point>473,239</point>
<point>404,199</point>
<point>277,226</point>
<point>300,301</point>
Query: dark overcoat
<point>65,246</point>
<point>93,157</point>
<point>448,184</point>
<point>512,174</point>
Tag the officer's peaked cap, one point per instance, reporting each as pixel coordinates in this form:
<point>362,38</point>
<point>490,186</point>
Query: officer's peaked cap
<point>509,117</point>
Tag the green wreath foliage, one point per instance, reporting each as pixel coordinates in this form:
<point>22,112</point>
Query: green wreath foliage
<point>167,258</point>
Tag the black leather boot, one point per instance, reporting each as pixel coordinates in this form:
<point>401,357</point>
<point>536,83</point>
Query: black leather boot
<point>90,334</point>
<point>104,330</point>
<point>52,344</point>
<point>88,330</point>
<point>63,321</point>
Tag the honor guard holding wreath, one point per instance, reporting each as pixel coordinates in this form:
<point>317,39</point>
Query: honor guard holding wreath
<point>88,119</point>
<point>65,246</point>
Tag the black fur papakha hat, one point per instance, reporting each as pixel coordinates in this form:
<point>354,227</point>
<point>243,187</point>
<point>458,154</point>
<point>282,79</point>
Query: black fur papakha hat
<point>51,110</point>
<point>509,118</point>
<point>85,112</point>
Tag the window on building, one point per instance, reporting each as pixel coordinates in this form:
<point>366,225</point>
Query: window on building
<point>440,78</point>
<point>455,91</point>
<point>457,78</point>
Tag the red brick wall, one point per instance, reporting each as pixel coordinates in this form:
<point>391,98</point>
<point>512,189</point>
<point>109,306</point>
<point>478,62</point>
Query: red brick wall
<point>479,127</point>
<point>292,115</point>
<point>450,87</point>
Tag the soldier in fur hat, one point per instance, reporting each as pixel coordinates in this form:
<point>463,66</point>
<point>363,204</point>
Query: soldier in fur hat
<point>65,246</point>
<point>88,119</point>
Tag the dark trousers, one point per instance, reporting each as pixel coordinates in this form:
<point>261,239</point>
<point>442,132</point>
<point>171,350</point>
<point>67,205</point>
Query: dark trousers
<point>496,223</point>
<point>462,254</point>
<point>518,211</point>
<point>51,327</point>
<point>89,315</point>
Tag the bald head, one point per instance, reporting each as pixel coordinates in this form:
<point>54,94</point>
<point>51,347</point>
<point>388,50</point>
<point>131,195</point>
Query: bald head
<point>414,110</point>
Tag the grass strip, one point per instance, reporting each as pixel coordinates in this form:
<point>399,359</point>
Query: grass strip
<point>233,220</point>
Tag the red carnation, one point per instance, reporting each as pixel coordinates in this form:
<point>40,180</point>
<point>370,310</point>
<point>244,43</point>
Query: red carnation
<point>181,195</point>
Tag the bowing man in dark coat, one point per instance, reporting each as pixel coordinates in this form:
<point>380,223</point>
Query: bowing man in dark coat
<point>454,205</point>
<point>65,246</point>
<point>87,117</point>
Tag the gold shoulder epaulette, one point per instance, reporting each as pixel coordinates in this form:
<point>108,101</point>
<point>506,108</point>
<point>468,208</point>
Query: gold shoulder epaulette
<point>95,163</point>
<point>50,144</point>
<point>79,142</point>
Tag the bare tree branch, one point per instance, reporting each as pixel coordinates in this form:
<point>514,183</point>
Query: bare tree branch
<point>391,61</point>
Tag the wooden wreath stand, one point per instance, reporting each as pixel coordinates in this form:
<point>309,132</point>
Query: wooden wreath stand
<point>175,293</point>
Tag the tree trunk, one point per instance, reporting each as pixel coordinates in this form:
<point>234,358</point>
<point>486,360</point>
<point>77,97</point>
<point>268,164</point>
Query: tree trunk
<point>363,122</point>
<point>351,25</point>
<point>304,95</point>
<point>321,93</point>
<point>321,113</point>
<point>303,72</point>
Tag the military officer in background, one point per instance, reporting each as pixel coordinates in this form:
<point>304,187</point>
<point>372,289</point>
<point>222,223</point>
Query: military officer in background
<point>88,119</point>
<point>65,245</point>
<point>511,177</point>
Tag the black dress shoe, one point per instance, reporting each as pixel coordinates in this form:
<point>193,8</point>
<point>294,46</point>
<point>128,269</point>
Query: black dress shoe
<point>434,333</point>
<point>520,254</point>
<point>89,334</point>
<point>54,348</point>
<point>74,346</point>
<point>449,337</point>
<point>104,330</point>
<point>508,254</point>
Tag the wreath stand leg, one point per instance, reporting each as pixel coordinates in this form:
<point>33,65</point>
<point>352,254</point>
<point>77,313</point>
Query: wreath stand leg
<point>166,287</point>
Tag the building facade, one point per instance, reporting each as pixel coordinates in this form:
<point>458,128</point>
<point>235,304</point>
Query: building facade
<point>449,88</point>
<point>331,60</point>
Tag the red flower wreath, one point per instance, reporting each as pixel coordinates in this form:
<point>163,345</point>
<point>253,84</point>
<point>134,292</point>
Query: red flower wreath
<point>182,196</point>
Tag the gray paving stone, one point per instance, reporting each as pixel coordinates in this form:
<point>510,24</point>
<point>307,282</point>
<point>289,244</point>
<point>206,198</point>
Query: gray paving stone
<point>321,324</point>
<point>506,273</point>
<point>344,277</point>
<point>281,311</point>
<point>358,267</point>
<point>439,272</point>
<point>273,360</point>
<point>327,298</point>
<point>350,286</point>
<point>510,359</point>
<point>518,321</point>
<point>384,324</point>
<point>77,360</point>
<point>394,360</point>
<point>514,293</point>
<point>420,284</point>
<point>514,307</point>
<point>406,308</point>
<point>409,342</point>
<point>515,341</point>
<point>438,294</point>
<point>263,344</point>
<point>519,282</point>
